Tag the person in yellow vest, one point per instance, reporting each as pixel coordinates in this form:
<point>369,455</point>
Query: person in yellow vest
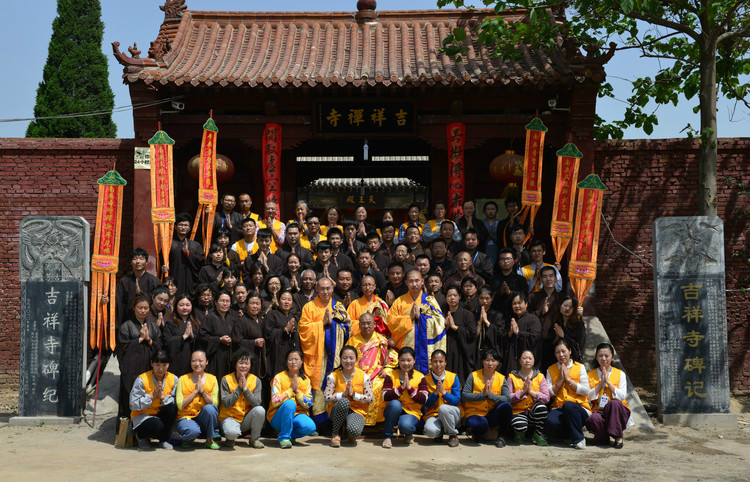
<point>442,408</point>
<point>241,409</point>
<point>569,388</point>
<point>247,245</point>
<point>529,396</point>
<point>608,392</point>
<point>197,403</point>
<point>486,399</point>
<point>405,392</point>
<point>533,271</point>
<point>348,393</point>
<point>291,398</point>
<point>152,403</point>
<point>277,228</point>
<point>313,235</point>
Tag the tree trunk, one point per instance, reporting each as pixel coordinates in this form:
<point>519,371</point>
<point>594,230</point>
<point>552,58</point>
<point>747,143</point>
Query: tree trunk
<point>707,200</point>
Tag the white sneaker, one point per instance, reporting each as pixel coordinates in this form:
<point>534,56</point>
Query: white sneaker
<point>580,445</point>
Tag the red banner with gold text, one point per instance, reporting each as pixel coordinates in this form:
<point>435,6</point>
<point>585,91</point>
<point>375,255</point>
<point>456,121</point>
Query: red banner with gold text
<point>456,141</point>
<point>582,269</point>
<point>561,230</point>
<point>162,193</point>
<point>104,262</point>
<point>272,162</point>
<point>208,194</point>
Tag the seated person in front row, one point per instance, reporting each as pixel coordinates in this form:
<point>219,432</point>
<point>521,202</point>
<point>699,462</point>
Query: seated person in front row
<point>404,392</point>
<point>442,409</point>
<point>197,404</point>
<point>152,403</point>
<point>291,398</point>
<point>486,400</point>
<point>241,409</point>
<point>348,394</point>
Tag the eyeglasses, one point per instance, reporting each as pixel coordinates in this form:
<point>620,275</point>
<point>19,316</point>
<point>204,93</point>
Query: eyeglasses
<point>313,222</point>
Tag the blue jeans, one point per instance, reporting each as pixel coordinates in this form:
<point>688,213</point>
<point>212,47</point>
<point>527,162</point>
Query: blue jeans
<point>206,422</point>
<point>395,415</point>
<point>291,426</point>
<point>567,421</point>
<point>497,417</point>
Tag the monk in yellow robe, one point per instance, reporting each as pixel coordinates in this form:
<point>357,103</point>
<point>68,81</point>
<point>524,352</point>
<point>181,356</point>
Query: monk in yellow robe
<point>369,302</point>
<point>415,320</point>
<point>323,328</point>
<point>376,358</point>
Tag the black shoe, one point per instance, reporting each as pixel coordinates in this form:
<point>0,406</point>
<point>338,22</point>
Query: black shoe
<point>618,445</point>
<point>500,442</point>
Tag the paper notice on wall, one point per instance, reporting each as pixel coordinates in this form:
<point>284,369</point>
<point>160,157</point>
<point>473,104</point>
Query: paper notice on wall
<point>142,158</point>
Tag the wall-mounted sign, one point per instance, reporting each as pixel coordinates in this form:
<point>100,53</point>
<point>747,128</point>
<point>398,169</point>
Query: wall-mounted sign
<point>364,117</point>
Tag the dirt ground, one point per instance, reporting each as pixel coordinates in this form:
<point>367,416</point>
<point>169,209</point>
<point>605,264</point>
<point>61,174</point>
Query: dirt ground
<point>81,453</point>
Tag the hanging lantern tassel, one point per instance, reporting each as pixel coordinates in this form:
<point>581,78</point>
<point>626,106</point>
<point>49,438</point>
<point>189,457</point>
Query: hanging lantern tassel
<point>582,270</point>
<point>531,193</point>
<point>208,193</point>
<point>162,194</point>
<point>105,260</point>
<point>561,230</point>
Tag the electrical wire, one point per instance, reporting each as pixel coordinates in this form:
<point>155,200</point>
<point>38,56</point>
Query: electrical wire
<point>96,112</point>
<point>620,244</point>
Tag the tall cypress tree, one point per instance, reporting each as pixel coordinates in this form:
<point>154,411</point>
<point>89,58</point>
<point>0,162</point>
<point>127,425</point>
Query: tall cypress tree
<point>75,77</point>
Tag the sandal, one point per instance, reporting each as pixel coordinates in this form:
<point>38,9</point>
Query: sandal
<point>336,441</point>
<point>387,443</point>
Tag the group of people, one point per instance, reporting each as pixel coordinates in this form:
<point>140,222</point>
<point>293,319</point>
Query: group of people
<point>436,326</point>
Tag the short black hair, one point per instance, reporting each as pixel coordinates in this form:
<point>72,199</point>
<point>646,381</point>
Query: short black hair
<point>138,252</point>
<point>182,217</point>
<point>372,235</point>
<point>511,199</point>
<point>538,242</point>
<point>395,264</point>
<point>322,246</point>
<point>248,219</point>
<point>264,233</point>
<point>332,231</point>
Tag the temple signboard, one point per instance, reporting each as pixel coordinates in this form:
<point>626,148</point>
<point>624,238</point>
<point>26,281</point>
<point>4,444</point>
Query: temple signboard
<point>364,117</point>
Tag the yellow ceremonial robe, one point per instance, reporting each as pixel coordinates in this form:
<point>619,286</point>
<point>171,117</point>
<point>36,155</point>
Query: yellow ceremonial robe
<point>312,335</point>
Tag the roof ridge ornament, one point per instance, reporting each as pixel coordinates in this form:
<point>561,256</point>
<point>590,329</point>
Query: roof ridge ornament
<point>366,11</point>
<point>173,9</point>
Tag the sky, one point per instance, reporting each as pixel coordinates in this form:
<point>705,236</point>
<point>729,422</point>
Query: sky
<point>26,32</point>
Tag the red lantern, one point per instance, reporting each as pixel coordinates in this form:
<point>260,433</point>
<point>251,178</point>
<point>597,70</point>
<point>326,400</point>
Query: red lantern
<point>507,168</point>
<point>224,168</point>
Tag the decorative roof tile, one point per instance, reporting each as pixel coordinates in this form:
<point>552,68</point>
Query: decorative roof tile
<point>264,49</point>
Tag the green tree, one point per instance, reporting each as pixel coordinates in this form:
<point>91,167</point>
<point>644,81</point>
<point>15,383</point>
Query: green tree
<point>703,46</point>
<point>75,78</point>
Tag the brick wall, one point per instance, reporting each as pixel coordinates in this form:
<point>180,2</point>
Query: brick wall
<point>50,177</point>
<point>647,179</point>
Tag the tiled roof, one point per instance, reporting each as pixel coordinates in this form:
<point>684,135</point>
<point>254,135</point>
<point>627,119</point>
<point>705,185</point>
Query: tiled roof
<point>263,49</point>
